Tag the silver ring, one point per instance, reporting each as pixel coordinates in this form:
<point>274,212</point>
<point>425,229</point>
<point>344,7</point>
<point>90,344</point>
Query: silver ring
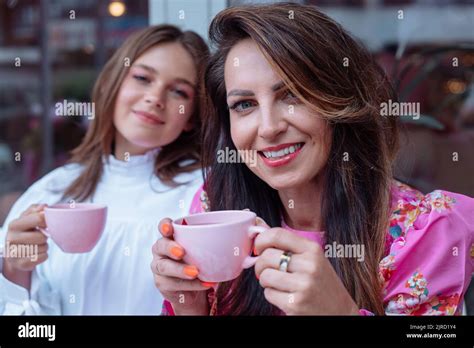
<point>285,259</point>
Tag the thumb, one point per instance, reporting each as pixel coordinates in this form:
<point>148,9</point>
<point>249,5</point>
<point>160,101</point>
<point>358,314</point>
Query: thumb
<point>166,228</point>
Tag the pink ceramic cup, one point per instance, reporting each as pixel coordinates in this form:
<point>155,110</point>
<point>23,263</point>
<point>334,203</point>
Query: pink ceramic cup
<point>218,243</point>
<point>75,227</point>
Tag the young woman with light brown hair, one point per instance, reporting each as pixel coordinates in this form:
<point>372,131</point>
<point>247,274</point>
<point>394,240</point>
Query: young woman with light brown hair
<point>141,158</point>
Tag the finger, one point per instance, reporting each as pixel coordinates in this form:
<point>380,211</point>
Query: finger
<point>280,238</point>
<point>270,258</point>
<point>34,208</point>
<point>27,263</point>
<point>39,249</point>
<point>281,299</point>
<point>28,222</point>
<point>171,268</point>
<point>43,248</point>
<point>41,258</point>
<point>169,248</point>
<point>282,281</point>
<point>175,284</point>
<point>29,238</point>
<point>38,258</point>
<point>166,228</point>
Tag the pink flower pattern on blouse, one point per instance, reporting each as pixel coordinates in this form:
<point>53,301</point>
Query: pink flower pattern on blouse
<point>427,265</point>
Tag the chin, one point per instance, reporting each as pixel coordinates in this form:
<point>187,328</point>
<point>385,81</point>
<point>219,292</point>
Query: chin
<point>284,183</point>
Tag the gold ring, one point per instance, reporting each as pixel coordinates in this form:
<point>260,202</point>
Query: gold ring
<point>285,259</point>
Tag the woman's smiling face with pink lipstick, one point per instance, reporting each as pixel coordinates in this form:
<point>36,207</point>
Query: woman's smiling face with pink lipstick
<point>156,99</point>
<point>292,142</point>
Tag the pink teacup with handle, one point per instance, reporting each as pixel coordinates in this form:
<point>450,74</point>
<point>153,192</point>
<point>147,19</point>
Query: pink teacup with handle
<point>75,227</point>
<point>218,243</point>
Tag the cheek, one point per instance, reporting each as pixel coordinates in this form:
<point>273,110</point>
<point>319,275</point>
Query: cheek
<point>179,112</point>
<point>126,98</point>
<point>241,133</point>
<point>321,140</point>
<point>128,94</point>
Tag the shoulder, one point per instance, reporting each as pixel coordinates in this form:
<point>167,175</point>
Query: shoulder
<point>200,202</point>
<point>428,265</point>
<point>59,178</point>
<point>412,210</point>
<point>48,189</point>
<point>54,182</point>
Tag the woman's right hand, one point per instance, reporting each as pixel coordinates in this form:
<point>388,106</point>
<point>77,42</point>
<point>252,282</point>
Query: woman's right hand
<point>23,232</point>
<point>176,280</point>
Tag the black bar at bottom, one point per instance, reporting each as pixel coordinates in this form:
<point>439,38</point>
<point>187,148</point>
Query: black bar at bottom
<point>291,331</point>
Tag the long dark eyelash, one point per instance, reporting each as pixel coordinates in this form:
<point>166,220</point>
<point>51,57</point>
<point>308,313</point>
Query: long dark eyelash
<point>183,94</point>
<point>237,103</point>
<point>233,106</point>
<point>287,93</point>
<point>141,78</point>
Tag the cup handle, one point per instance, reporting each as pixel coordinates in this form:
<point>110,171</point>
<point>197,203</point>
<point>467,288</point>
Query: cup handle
<point>43,230</point>
<point>249,261</point>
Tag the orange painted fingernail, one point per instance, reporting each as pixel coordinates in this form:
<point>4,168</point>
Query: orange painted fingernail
<point>177,251</point>
<point>254,251</point>
<point>191,271</point>
<point>208,284</point>
<point>166,228</point>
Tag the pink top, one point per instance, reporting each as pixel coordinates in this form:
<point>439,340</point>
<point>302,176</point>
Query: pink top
<point>427,265</point>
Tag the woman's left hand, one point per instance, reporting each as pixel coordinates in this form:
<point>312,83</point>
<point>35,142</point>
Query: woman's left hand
<point>310,286</point>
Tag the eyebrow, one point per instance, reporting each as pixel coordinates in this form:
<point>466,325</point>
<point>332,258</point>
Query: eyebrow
<point>154,71</point>
<point>248,93</point>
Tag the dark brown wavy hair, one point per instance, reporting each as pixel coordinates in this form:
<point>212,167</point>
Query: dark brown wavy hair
<point>308,50</point>
<point>99,139</point>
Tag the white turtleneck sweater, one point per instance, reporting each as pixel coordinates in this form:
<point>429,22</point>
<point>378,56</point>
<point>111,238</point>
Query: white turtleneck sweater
<point>115,277</point>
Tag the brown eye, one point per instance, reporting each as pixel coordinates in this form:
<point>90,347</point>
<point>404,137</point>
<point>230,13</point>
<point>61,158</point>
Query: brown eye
<point>291,97</point>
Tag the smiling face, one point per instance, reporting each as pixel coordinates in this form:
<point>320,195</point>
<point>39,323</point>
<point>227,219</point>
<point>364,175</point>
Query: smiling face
<point>156,99</point>
<point>292,142</point>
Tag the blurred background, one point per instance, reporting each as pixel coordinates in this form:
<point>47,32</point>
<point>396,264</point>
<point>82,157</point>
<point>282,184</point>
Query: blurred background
<point>52,50</point>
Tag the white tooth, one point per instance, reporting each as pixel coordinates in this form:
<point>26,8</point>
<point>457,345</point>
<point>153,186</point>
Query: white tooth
<point>287,151</point>
<point>281,153</point>
<point>274,154</point>
<point>267,154</point>
<point>291,149</point>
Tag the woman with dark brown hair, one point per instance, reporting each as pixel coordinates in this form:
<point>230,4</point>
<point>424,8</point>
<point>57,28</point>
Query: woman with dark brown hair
<point>344,237</point>
<point>141,158</point>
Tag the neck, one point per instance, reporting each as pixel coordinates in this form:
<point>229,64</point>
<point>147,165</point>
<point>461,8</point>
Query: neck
<point>302,206</point>
<point>124,149</point>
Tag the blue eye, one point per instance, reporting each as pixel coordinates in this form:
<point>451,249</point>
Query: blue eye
<point>241,105</point>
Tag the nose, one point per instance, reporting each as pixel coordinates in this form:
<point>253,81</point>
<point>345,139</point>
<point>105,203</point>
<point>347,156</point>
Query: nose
<point>272,123</point>
<point>156,97</point>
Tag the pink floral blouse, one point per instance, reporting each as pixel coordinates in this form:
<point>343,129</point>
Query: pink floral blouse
<point>428,259</point>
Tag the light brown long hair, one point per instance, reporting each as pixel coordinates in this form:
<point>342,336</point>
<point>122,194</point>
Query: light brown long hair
<point>309,52</point>
<point>100,136</point>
